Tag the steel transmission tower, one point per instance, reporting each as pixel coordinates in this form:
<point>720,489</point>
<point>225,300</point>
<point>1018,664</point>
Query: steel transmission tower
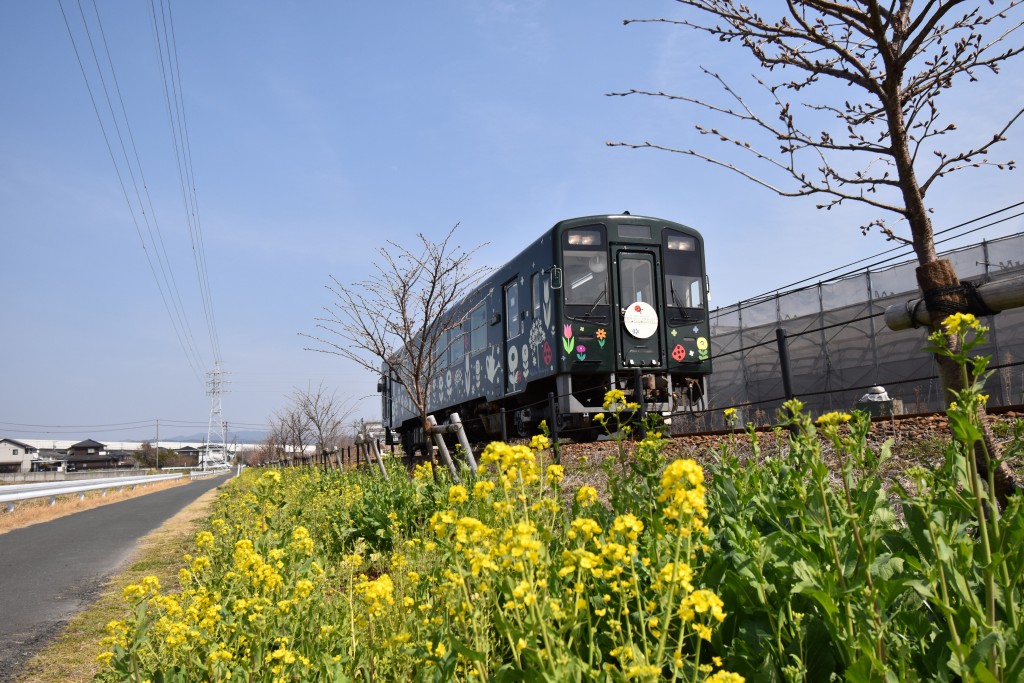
<point>217,427</point>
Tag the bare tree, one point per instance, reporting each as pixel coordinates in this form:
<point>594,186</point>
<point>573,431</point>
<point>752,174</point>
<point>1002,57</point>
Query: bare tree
<point>294,432</point>
<point>886,145</point>
<point>325,414</point>
<point>400,316</point>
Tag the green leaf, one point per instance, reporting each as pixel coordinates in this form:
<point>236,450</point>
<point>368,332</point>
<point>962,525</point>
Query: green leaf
<point>886,566</point>
<point>467,652</point>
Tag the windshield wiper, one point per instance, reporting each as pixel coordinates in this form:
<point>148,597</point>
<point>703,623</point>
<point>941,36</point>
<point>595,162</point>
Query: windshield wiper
<point>602,295</point>
<point>679,304</point>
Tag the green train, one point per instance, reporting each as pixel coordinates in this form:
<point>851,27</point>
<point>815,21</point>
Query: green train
<point>594,303</point>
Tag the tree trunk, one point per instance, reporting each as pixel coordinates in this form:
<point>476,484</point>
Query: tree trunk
<point>940,287</point>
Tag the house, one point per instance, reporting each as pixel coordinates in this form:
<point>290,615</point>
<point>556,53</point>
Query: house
<point>15,456</point>
<point>91,455</point>
<point>188,452</point>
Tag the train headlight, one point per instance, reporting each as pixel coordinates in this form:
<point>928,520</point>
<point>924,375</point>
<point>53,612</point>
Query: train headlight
<point>681,243</point>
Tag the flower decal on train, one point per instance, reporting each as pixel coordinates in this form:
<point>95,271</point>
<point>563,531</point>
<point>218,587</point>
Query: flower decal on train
<point>679,353</point>
<point>581,352</point>
<point>546,350</point>
<point>702,348</point>
<point>601,335</point>
<point>568,339</point>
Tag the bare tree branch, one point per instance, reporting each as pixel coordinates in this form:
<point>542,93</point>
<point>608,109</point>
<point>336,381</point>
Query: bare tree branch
<point>400,317</point>
<point>901,60</point>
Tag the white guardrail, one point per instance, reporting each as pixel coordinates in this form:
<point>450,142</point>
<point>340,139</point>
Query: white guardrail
<point>52,489</point>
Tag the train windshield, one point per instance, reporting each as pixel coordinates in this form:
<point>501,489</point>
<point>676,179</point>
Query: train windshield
<point>684,279</point>
<point>585,263</point>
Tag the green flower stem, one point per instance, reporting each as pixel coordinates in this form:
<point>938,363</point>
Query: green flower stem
<point>670,601</point>
<point>876,615</point>
<point>947,610</point>
<point>848,608</point>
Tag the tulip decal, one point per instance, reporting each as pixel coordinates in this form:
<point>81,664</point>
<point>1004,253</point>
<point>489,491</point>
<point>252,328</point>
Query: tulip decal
<point>569,340</point>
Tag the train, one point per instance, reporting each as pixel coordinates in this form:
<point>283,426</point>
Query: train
<point>594,303</point>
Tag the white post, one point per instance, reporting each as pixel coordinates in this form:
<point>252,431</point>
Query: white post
<point>442,448</point>
<point>464,440</point>
<point>380,460</point>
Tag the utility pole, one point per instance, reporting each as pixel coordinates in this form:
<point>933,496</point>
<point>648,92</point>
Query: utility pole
<point>158,444</point>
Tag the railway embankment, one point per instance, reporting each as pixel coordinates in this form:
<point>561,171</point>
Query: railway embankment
<point>915,440</point>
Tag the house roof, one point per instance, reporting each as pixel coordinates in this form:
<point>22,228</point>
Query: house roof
<point>17,443</point>
<point>89,443</point>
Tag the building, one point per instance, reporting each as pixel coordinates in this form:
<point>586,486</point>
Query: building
<point>15,456</point>
<point>91,455</point>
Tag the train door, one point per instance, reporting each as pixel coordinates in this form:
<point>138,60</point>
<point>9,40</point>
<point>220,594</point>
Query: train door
<point>637,272</point>
<point>516,349</point>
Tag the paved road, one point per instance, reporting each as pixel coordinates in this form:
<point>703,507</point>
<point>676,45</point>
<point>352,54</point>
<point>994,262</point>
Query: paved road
<point>52,570</point>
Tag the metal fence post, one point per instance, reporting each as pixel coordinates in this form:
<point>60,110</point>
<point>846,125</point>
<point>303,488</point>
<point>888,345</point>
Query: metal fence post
<point>638,396</point>
<point>552,408</point>
<point>787,380</point>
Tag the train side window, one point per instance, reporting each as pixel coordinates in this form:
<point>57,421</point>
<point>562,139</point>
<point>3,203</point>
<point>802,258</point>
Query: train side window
<point>441,352</point>
<point>458,345</point>
<point>513,316</point>
<point>538,295</point>
<point>478,328</point>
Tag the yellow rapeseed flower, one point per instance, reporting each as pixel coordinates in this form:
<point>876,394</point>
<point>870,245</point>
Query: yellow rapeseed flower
<point>959,323</point>
<point>586,495</point>
<point>457,494</point>
<point>540,443</point>
<point>833,419</point>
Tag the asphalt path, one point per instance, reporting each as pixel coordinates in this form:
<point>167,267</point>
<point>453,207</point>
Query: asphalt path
<point>52,570</point>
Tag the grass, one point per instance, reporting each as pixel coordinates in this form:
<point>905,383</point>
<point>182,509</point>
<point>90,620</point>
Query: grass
<point>36,510</point>
<point>71,656</point>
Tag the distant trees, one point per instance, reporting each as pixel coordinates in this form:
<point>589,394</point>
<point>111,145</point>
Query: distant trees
<point>401,315</point>
<point>324,414</point>
<point>883,139</point>
<point>146,455</point>
<point>314,418</point>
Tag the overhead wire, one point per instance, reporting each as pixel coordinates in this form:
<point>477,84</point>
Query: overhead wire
<point>163,285</point>
<point>166,45</point>
<point>158,241</point>
<point>897,252</point>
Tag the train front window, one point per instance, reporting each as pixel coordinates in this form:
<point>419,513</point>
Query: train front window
<point>684,279</point>
<point>585,266</point>
<point>636,278</point>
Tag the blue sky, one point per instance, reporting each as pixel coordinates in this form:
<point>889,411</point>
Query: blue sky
<point>319,129</point>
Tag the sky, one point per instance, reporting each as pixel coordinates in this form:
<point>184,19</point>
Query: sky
<point>316,131</point>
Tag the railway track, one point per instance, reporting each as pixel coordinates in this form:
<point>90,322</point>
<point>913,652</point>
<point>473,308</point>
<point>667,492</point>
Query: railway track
<point>1001,412</point>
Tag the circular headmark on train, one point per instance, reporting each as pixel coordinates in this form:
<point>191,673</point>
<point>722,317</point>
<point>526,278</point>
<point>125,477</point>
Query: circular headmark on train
<point>640,319</point>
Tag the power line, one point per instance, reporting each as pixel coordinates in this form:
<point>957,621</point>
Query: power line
<point>179,322</point>
<point>166,45</point>
<point>897,252</point>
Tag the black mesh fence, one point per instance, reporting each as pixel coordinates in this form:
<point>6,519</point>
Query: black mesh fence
<point>839,346</point>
